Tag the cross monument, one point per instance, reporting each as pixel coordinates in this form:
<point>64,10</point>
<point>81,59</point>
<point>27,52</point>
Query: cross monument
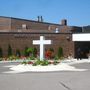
<point>41,42</point>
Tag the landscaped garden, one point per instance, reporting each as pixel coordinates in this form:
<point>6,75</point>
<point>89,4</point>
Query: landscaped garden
<point>31,56</point>
<point>30,61</point>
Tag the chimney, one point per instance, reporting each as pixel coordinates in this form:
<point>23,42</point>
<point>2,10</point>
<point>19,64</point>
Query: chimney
<point>64,22</point>
<point>40,19</point>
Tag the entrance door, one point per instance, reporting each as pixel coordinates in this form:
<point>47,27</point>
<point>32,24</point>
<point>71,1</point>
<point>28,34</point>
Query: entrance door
<point>82,49</point>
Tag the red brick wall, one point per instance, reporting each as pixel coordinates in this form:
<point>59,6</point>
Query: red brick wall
<point>17,24</point>
<point>20,41</point>
<point>5,23</point>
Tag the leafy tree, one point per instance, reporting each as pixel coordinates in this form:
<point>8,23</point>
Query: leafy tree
<point>9,50</point>
<point>1,53</point>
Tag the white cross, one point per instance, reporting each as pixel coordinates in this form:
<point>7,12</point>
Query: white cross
<point>41,42</point>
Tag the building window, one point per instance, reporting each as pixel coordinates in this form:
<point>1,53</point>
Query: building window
<point>57,30</point>
<point>24,26</point>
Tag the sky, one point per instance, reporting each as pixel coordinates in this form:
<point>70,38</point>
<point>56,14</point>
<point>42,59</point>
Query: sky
<point>77,12</point>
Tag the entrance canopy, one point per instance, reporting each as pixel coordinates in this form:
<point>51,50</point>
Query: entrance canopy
<point>81,37</point>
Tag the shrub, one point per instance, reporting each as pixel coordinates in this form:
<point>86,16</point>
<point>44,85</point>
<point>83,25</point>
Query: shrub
<point>51,49</point>
<point>55,62</point>
<point>60,52</point>
<point>30,51</point>
<point>18,54</point>
<point>24,62</point>
<point>25,52</point>
<point>56,58</point>
<point>29,62</point>
<point>23,58</point>
<point>1,53</point>
<point>44,63</point>
<point>13,57</point>
<point>34,52</point>
<point>32,58</point>
<point>48,54</point>
<point>9,51</point>
<point>1,59</point>
<point>37,63</point>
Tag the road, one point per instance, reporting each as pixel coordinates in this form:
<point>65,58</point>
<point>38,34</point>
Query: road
<point>68,80</point>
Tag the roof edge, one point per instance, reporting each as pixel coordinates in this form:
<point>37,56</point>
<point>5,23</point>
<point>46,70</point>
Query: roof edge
<point>30,20</point>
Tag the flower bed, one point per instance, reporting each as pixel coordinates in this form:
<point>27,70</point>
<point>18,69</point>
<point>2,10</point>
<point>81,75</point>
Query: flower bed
<point>42,63</point>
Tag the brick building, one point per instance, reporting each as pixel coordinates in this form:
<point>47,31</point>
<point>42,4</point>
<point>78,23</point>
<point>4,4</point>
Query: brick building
<point>19,33</point>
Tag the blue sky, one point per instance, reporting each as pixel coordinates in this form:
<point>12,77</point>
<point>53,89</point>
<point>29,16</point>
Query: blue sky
<point>77,12</point>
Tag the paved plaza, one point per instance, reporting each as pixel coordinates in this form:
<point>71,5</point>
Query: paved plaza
<point>63,80</point>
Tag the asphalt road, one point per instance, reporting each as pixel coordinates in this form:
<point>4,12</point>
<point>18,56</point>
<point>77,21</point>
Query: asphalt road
<point>45,81</point>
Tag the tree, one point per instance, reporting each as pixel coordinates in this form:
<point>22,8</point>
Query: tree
<point>25,52</point>
<point>1,53</point>
<point>35,52</point>
<point>60,52</point>
<point>9,51</point>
